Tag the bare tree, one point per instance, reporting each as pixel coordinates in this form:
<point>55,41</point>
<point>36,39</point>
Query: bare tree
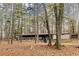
<point>47,24</point>
<point>58,10</point>
<point>12,23</point>
<point>1,25</point>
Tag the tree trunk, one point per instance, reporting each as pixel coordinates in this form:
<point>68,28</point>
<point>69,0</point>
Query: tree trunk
<point>1,30</point>
<point>52,26</point>
<point>78,29</point>
<point>21,22</point>
<point>12,23</point>
<point>59,17</point>
<point>37,28</point>
<point>34,24</point>
<point>47,24</point>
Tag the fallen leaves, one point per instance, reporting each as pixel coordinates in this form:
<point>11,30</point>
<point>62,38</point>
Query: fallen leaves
<point>29,48</point>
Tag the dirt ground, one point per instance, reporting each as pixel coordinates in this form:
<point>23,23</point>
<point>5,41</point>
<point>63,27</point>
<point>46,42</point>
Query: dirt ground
<point>29,48</point>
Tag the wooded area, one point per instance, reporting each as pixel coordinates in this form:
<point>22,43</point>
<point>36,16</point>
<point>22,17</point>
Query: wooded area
<point>34,27</point>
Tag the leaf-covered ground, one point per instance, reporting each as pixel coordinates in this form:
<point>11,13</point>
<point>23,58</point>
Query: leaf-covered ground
<point>29,48</point>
